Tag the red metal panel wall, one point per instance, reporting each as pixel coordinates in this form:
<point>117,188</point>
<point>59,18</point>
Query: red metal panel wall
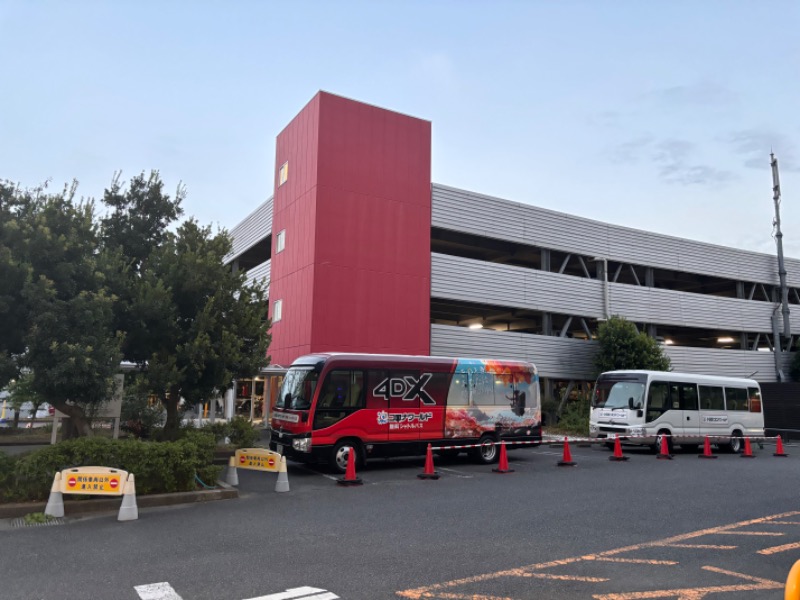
<point>356,208</point>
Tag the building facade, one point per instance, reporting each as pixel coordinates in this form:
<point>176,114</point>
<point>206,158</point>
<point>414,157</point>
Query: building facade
<point>362,252</point>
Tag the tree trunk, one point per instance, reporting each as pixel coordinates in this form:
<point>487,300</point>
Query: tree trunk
<point>78,422</point>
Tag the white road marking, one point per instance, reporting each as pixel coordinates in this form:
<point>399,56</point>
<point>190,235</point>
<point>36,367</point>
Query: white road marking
<point>300,593</point>
<point>461,474</point>
<point>315,472</point>
<point>157,591</point>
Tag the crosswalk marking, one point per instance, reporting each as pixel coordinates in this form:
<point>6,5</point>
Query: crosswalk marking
<point>301,593</point>
<point>157,591</point>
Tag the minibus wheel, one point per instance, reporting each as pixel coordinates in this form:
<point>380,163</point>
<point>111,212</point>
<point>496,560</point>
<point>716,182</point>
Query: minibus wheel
<point>339,454</point>
<point>735,445</point>
<point>486,453</point>
<point>657,447</point>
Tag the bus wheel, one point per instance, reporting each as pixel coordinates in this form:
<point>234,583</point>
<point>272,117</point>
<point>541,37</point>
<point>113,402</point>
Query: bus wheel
<point>486,453</point>
<point>657,446</point>
<point>735,445</point>
<point>339,455</point>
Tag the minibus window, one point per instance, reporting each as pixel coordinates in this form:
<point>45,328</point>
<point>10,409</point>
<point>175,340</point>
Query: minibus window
<point>618,394</point>
<point>736,398</point>
<point>711,397</point>
<point>297,389</point>
<point>755,399</point>
<point>482,389</point>
<point>657,400</point>
<point>688,396</point>
<point>458,394</point>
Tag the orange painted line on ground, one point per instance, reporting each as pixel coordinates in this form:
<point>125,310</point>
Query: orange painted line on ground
<point>699,592</point>
<point>565,577</point>
<point>767,533</point>
<point>776,549</point>
<point>702,546</point>
<point>638,561</point>
<point>437,590</point>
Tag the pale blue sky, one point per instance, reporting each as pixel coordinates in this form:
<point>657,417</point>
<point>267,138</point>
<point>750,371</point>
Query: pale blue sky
<point>656,115</point>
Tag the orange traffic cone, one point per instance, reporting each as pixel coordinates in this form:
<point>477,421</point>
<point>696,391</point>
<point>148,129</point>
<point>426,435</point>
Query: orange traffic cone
<point>567,460</point>
<point>706,450</point>
<point>502,467</point>
<point>429,473</point>
<point>779,448</point>
<point>350,474</point>
<point>664,454</point>
<point>748,451</point>
<point>618,457</point>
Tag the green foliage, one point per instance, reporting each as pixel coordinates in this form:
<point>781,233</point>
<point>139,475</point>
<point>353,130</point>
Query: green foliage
<point>36,518</point>
<point>621,346</point>
<point>158,467</point>
<point>8,465</point>
<point>575,416</point>
<point>243,433</point>
<point>140,416</point>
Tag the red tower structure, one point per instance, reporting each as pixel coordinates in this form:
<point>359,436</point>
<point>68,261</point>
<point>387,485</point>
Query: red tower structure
<point>351,261</point>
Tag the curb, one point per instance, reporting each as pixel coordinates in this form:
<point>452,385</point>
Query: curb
<point>84,507</point>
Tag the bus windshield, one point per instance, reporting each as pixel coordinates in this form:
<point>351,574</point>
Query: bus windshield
<point>298,388</point>
<point>618,394</point>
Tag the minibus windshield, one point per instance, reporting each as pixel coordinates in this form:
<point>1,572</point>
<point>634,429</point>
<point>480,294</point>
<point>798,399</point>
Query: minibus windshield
<point>298,388</point>
<point>618,394</point>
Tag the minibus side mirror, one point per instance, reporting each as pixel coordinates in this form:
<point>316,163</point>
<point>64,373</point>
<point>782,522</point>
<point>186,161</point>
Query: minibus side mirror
<point>630,403</point>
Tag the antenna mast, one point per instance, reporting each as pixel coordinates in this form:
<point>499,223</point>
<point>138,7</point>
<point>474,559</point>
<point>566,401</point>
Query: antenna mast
<point>776,196</point>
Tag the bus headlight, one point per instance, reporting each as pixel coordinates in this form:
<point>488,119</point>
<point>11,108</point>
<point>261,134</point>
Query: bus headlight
<point>302,444</point>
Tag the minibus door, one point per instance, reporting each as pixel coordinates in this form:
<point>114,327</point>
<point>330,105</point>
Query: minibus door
<point>376,426</point>
<point>687,392</point>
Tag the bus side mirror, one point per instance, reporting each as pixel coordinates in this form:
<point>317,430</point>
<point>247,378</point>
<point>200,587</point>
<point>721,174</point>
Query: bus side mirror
<point>630,403</point>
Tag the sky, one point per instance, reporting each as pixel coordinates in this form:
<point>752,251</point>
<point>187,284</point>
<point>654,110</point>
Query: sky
<point>654,115</point>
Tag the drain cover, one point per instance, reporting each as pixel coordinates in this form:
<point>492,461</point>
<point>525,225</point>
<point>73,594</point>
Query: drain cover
<point>21,522</point>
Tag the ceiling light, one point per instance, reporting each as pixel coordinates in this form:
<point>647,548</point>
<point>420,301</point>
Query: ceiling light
<point>725,340</point>
<point>668,342</point>
<point>476,326</point>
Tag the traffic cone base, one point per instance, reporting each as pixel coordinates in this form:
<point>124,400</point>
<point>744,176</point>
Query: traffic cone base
<point>350,478</point>
<point>428,473</point>
<point>618,456</point>
<point>282,484</point>
<point>779,448</point>
<point>706,450</point>
<point>502,466</point>
<point>748,449</point>
<point>566,461</point>
<point>664,454</point>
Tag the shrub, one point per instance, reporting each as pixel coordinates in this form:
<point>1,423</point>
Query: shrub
<point>575,417</point>
<point>243,434</point>
<point>7,465</point>
<point>158,467</point>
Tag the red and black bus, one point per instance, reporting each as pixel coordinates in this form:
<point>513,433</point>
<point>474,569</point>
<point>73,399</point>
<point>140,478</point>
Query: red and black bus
<point>389,405</point>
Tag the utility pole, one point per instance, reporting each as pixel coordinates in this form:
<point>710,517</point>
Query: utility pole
<point>787,332</point>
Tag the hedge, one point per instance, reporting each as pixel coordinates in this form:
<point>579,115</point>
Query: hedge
<point>159,467</point>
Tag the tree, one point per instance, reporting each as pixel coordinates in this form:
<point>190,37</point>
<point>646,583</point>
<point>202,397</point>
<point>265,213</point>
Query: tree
<point>59,318</point>
<point>621,346</point>
<point>192,324</point>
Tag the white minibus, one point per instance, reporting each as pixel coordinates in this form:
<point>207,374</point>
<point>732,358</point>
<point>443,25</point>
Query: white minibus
<point>642,406</point>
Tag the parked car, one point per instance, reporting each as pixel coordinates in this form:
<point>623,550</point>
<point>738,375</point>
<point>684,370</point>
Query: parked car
<point>44,413</point>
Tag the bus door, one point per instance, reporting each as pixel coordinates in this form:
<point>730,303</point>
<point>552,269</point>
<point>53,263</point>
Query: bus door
<point>690,416</point>
<point>405,423</point>
<point>376,426</point>
<point>342,396</point>
<point>713,418</point>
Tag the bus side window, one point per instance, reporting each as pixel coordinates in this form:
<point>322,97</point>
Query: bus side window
<point>755,399</point>
<point>458,394</point>
<point>735,398</point>
<point>711,398</point>
<point>688,396</point>
<point>482,389</point>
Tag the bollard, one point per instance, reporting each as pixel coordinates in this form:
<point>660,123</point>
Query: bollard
<point>129,511</point>
<point>55,503</point>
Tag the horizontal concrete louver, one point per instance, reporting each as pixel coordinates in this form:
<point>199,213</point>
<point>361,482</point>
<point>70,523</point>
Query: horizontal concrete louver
<point>460,210</point>
<point>564,358</point>
<point>251,230</point>
<point>260,273</point>
<point>470,280</point>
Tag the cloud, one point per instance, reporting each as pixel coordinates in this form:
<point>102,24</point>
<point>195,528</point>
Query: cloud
<point>754,146</point>
<point>673,159</point>
<point>702,93</point>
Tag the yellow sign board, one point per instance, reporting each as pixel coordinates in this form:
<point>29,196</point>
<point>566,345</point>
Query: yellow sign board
<point>93,480</point>
<point>259,459</point>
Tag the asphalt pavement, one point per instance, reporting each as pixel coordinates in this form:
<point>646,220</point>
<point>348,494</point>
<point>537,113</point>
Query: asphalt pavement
<point>726,528</point>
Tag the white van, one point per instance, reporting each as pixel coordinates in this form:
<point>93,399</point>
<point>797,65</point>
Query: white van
<point>642,406</point>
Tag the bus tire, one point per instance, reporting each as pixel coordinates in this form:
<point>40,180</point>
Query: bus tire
<point>338,456</point>
<point>657,446</point>
<point>487,452</point>
<point>735,444</point>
